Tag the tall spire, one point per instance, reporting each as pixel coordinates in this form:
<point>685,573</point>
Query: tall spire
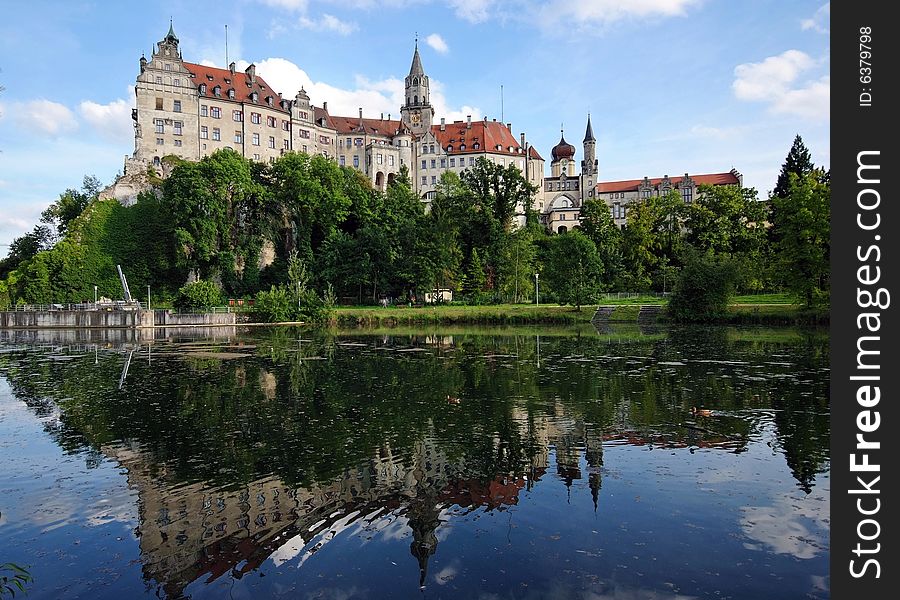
<point>171,35</point>
<point>416,68</point>
<point>589,134</point>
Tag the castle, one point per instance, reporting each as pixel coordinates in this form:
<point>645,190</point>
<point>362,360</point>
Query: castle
<point>191,110</point>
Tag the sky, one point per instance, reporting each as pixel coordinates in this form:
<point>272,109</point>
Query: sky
<point>672,86</point>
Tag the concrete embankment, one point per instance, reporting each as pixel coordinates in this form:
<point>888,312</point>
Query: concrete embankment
<point>114,319</point>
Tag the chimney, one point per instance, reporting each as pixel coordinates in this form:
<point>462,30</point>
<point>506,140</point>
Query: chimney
<point>382,116</point>
<point>485,118</point>
<point>231,68</point>
<point>522,139</point>
<point>509,126</point>
<point>442,124</point>
<point>360,113</point>
<point>389,116</point>
<point>251,73</point>
<point>325,106</point>
<point>468,121</point>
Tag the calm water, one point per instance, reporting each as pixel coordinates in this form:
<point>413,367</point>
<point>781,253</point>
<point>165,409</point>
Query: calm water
<point>532,463</point>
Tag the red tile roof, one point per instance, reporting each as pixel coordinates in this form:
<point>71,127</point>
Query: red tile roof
<point>631,185</point>
<point>488,134</point>
<point>243,88</point>
<point>351,125</point>
<point>532,153</point>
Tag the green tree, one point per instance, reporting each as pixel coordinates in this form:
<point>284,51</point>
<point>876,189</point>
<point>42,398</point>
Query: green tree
<point>70,204</point>
<point>474,278</point>
<point>198,296</point>
<point>798,161</point>
<point>25,247</point>
<point>726,220</point>
<point>704,287</point>
<point>803,250</point>
<point>573,268</point>
<point>498,189</point>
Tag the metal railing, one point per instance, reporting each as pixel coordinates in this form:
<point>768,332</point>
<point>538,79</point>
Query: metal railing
<point>81,306</point>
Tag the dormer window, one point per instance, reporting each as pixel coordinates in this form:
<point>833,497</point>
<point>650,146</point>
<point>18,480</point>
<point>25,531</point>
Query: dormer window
<point>203,88</point>
<point>228,81</point>
<point>231,93</point>
<point>254,97</point>
<point>476,145</point>
<point>449,147</point>
<point>209,77</point>
<point>462,147</point>
<point>269,100</point>
<point>217,91</point>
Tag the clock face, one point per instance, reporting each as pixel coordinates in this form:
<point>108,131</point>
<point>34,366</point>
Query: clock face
<point>415,117</point>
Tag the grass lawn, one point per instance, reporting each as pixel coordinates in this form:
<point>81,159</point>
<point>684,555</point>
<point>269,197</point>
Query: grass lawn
<point>493,314</point>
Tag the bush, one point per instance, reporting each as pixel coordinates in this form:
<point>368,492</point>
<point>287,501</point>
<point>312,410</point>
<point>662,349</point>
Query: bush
<point>703,289</point>
<point>199,295</point>
<point>275,305</point>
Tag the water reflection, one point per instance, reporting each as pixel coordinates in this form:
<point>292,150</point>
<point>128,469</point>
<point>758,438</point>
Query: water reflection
<point>256,453</point>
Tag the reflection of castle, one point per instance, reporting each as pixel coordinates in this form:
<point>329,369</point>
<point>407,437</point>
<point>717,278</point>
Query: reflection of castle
<point>193,532</point>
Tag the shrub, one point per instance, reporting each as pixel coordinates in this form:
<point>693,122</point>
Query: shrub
<point>199,295</point>
<point>703,288</point>
<point>275,305</point>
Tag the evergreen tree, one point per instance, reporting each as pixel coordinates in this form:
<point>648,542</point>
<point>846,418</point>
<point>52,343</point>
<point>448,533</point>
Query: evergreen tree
<point>799,162</point>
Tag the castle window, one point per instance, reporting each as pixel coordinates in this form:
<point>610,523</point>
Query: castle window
<point>255,139</point>
<point>203,88</point>
<point>433,163</point>
<point>178,126</point>
<point>285,125</point>
<point>272,141</point>
<point>217,135</point>
<point>452,162</point>
<point>450,148</point>
<point>254,97</point>
<point>415,99</point>
<point>356,161</point>
<point>204,132</point>
<point>159,104</point>
<point>176,82</point>
<point>256,157</point>
<point>687,194</point>
<point>238,139</point>
<point>237,116</point>
<point>270,121</point>
<point>160,125</point>
<point>433,179</point>
<point>476,146</point>
<point>304,133</point>
<point>159,79</point>
<point>443,163</point>
<point>380,159</point>
<point>424,164</point>
<point>391,160</point>
<point>160,141</point>
<point>178,143</point>
<point>215,112</point>
<point>176,106</point>
<point>424,180</point>
<point>462,147</point>
<point>255,118</point>
<point>471,161</point>
<point>343,161</point>
<point>269,100</point>
<point>231,93</point>
<point>217,91</point>
<point>358,141</point>
<point>415,80</point>
<point>167,67</point>
<point>431,149</point>
<point>286,144</point>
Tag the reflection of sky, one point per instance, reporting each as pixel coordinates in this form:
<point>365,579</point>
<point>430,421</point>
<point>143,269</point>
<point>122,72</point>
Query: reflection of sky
<point>791,524</point>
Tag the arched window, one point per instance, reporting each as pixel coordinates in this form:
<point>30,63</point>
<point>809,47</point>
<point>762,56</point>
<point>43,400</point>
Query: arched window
<point>415,99</point>
<point>562,229</point>
<point>450,148</point>
<point>415,81</point>
<point>431,149</point>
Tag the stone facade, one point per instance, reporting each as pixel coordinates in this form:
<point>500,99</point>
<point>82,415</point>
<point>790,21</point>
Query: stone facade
<point>564,191</point>
<point>191,110</point>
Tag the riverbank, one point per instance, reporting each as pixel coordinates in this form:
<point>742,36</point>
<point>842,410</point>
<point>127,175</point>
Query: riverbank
<point>744,312</point>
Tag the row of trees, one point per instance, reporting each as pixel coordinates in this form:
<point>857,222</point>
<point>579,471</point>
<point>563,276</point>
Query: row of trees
<point>251,227</point>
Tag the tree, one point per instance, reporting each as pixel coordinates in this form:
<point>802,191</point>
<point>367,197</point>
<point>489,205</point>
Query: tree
<point>803,248</point>
<point>499,189</point>
<point>798,162</point>
<point>598,225</point>
<point>70,204</point>
<point>573,268</point>
<point>25,247</point>
<point>727,220</point>
<point>703,288</point>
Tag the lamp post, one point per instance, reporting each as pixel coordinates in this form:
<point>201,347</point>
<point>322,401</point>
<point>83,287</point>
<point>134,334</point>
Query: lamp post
<point>148,301</point>
<point>95,296</point>
<point>537,295</point>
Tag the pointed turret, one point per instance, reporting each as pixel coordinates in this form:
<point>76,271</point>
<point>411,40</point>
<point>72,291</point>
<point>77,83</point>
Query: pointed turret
<point>171,37</point>
<point>589,134</point>
<point>416,67</point>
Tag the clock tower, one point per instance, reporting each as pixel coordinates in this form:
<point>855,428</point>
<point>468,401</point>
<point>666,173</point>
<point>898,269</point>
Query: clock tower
<point>417,112</point>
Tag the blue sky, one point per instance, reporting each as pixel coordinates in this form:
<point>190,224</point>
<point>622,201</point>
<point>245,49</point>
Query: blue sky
<point>672,86</point>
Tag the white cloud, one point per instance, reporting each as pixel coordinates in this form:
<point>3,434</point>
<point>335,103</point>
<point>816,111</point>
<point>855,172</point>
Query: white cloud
<point>437,42</point>
<point>774,81</point>
<point>604,12</point>
<point>820,21</point>
<point>44,117</point>
<point>474,11</point>
<point>298,5</point>
<point>112,121</point>
<point>327,23</point>
<point>375,97</point>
